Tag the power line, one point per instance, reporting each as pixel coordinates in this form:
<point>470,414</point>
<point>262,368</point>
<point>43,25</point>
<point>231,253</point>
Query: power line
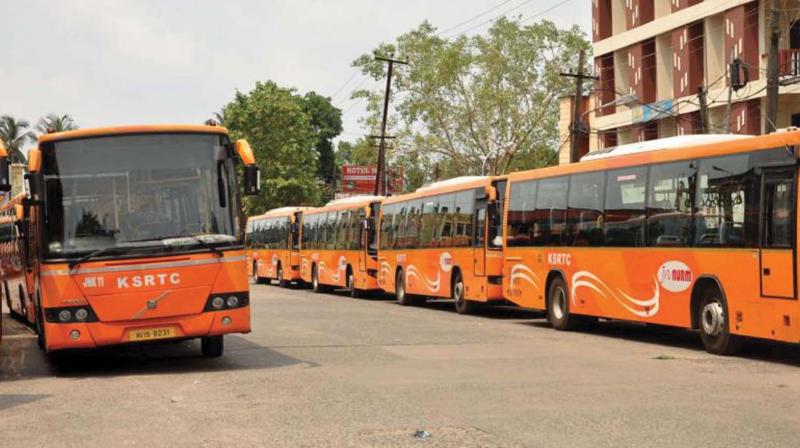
<point>502,14</point>
<point>493,8</point>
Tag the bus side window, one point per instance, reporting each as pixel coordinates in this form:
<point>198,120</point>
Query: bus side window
<point>727,202</point>
<point>585,211</point>
<point>670,199</point>
<point>550,216</point>
<point>625,207</point>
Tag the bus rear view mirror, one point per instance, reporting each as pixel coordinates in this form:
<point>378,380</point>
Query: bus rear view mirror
<point>5,175</point>
<point>252,180</point>
<point>34,186</point>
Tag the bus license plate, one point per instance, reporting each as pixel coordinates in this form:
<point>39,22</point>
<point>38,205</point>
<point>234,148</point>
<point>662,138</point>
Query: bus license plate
<point>147,334</point>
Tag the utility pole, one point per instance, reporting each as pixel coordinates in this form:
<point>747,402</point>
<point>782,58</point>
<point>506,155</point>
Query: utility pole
<point>773,69</point>
<point>380,177</point>
<point>701,97</point>
<point>577,128</point>
<point>730,99</point>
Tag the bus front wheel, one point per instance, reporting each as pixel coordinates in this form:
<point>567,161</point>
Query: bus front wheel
<point>403,298</point>
<point>713,322</point>
<point>351,285</point>
<point>281,280</point>
<point>41,337</point>
<point>254,278</point>
<point>316,286</point>
<point>558,312</point>
<point>212,346</point>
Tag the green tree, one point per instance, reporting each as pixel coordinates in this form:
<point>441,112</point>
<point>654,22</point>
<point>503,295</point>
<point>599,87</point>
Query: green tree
<point>326,121</point>
<point>275,123</point>
<point>55,123</point>
<point>14,134</point>
<point>480,104</point>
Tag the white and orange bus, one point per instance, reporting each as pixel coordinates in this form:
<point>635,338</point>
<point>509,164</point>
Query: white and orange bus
<point>444,241</point>
<point>339,247</point>
<point>132,234</point>
<point>693,231</point>
<point>273,245</point>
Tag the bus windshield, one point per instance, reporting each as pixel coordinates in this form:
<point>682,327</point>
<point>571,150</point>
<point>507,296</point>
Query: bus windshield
<point>120,191</point>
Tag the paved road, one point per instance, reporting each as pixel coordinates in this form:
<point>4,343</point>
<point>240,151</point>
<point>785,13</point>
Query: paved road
<point>327,370</point>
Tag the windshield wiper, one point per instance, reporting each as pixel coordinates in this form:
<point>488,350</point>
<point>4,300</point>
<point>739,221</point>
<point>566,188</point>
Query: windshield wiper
<point>206,244</point>
<point>74,263</point>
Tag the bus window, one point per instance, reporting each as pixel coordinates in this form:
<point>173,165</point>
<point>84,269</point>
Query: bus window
<point>550,217</point>
<point>670,196</point>
<point>727,202</point>
<point>585,211</point>
<point>444,227</point>
<point>430,208</point>
<point>496,216</point>
<point>625,207</point>
<point>520,213</point>
<point>465,202</point>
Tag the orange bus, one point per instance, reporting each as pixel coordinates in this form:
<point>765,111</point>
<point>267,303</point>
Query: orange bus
<point>693,231</point>
<point>339,247</point>
<point>132,234</point>
<point>444,241</point>
<point>273,245</point>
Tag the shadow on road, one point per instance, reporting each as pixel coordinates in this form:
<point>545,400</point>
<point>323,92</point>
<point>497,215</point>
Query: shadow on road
<point>659,335</point>
<point>487,311</point>
<point>20,359</point>
<point>8,401</point>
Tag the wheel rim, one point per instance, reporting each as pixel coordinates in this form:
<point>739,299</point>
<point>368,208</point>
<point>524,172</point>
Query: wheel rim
<point>280,275</point>
<point>254,277</point>
<point>458,292</point>
<point>559,303</point>
<point>713,318</point>
<point>350,283</point>
<point>315,280</point>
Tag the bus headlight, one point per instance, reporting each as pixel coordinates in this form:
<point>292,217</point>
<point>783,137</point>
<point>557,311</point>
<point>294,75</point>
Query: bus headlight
<point>233,301</point>
<point>64,315</point>
<point>218,302</point>
<point>81,314</point>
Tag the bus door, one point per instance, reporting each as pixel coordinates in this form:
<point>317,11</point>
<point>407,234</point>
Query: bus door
<point>479,233</point>
<point>294,252</point>
<point>363,239</point>
<point>777,237</point>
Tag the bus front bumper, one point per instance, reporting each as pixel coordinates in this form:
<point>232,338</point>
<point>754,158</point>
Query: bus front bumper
<point>98,334</point>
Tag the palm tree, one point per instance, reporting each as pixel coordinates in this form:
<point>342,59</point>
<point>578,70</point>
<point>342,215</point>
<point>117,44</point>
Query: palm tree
<point>220,117</point>
<point>14,134</point>
<point>55,123</point>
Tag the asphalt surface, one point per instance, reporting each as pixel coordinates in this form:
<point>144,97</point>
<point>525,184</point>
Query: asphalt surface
<point>328,370</point>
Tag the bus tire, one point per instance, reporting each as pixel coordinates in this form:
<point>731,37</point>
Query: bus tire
<point>463,306</point>
<point>316,286</point>
<point>281,280</point>
<point>713,323</point>
<point>403,298</point>
<point>212,346</point>
<point>23,304</point>
<point>254,278</point>
<point>558,306</point>
<point>351,285</point>
<point>41,337</point>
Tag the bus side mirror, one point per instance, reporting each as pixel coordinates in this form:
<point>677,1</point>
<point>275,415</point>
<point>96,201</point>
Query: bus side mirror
<point>5,175</point>
<point>252,180</point>
<point>34,186</point>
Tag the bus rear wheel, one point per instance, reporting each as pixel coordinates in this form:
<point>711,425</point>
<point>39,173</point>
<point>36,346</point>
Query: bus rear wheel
<point>713,322</point>
<point>212,346</point>
<point>558,312</point>
<point>463,306</point>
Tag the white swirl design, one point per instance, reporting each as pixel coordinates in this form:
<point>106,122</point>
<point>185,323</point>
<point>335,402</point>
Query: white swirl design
<point>432,285</point>
<point>642,308</point>
<point>522,272</point>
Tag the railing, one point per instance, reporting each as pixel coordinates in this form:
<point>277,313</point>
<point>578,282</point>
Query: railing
<point>790,62</point>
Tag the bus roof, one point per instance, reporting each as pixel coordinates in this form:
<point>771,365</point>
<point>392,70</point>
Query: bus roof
<point>444,186</point>
<point>662,143</point>
<point>668,153</point>
<point>282,211</point>
<point>364,199</point>
<point>137,129</point>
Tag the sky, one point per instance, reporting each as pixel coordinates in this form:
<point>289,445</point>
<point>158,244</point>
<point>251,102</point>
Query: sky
<point>178,61</point>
